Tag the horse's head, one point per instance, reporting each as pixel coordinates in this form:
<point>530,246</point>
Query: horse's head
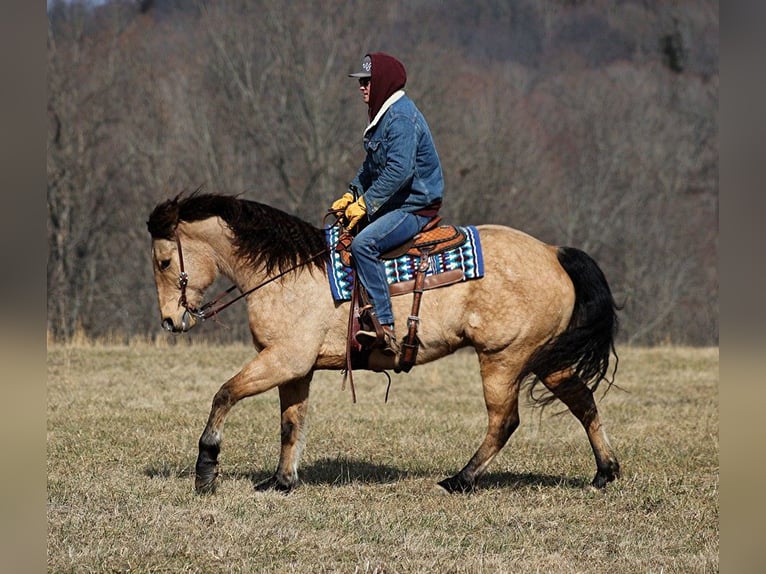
<point>183,263</point>
<point>182,271</point>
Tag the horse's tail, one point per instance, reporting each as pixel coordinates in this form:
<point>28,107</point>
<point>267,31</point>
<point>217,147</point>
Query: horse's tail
<point>584,349</point>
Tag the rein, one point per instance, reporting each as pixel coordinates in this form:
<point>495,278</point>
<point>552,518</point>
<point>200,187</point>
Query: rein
<point>209,309</point>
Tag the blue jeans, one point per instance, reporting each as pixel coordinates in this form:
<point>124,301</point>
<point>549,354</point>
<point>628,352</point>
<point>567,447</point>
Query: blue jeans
<point>379,236</point>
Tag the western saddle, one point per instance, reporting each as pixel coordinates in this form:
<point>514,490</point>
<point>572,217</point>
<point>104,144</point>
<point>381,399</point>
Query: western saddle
<point>432,239</point>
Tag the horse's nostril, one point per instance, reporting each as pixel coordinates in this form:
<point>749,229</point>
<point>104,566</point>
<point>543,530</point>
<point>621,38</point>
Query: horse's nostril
<point>167,324</point>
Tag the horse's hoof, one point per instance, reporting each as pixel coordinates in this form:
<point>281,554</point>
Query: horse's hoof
<point>205,485</point>
<point>206,469</point>
<point>457,485</point>
<point>273,483</point>
<point>205,479</point>
<point>440,490</point>
<point>604,477</point>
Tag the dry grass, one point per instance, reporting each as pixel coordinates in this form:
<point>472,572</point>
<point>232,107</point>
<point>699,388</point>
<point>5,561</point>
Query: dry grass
<point>123,423</point>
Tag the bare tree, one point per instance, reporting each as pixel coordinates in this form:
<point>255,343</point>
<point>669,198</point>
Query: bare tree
<point>80,119</point>
<point>287,99</point>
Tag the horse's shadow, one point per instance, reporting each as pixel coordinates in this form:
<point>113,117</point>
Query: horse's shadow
<point>327,471</point>
<point>515,480</point>
<point>344,472</point>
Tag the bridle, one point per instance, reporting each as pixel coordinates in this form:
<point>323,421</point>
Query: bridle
<point>213,307</point>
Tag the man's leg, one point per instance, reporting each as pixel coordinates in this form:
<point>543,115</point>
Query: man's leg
<point>379,236</point>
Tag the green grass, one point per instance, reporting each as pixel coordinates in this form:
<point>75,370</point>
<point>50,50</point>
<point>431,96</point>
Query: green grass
<point>123,424</point>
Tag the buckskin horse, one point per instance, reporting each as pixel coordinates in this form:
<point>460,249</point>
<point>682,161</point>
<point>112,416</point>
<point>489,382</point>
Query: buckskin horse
<point>540,313</point>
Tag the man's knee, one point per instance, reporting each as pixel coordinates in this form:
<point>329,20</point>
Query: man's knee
<point>362,246</point>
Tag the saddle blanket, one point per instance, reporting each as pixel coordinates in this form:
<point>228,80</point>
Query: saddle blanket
<point>467,257</point>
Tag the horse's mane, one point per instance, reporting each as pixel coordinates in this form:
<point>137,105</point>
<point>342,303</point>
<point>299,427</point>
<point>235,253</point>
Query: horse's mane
<point>264,235</point>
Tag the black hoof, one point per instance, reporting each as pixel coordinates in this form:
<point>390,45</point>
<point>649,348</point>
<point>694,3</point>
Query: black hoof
<point>205,484</point>
<point>275,484</point>
<point>206,469</point>
<point>458,485</point>
<point>605,476</point>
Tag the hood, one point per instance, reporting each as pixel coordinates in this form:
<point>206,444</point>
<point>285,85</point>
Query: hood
<point>388,76</point>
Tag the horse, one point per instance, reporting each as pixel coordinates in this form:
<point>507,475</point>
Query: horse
<point>540,312</point>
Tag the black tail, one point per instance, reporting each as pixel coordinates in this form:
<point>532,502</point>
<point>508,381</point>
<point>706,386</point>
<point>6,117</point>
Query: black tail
<point>588,342</point>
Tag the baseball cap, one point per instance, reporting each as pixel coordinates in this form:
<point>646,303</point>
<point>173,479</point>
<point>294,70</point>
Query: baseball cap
<point>366,71</point>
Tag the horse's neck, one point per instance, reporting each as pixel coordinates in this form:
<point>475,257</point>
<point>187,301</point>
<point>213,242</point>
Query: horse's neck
<point>215,243</point>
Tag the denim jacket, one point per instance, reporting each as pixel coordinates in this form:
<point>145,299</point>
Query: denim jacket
<point>401,169</point>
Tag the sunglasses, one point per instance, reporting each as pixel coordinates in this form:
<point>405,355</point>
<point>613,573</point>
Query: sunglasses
<point>364,82</point>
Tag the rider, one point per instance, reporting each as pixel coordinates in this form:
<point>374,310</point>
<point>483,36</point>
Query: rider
<point>396,191</point>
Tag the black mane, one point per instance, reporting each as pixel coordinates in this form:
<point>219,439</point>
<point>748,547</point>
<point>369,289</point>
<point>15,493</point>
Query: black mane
<point>263,234</point>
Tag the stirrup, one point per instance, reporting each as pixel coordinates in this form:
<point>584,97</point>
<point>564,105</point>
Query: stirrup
<point>387,343</point>
<point>367,339</point>
<point>390,344</point>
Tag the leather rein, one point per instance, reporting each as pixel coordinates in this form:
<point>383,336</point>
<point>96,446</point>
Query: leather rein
<point>212,308</point>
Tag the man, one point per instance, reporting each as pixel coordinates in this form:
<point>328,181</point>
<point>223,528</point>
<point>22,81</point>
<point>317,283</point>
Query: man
<point>397,190</point>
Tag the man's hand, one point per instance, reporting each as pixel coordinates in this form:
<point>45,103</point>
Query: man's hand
<point>342,203</point>
<point>354,212</point>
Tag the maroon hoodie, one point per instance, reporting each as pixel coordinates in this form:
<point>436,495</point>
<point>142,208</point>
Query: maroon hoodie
<point>387,76</point>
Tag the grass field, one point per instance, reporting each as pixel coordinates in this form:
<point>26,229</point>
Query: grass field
<point>122,430</point>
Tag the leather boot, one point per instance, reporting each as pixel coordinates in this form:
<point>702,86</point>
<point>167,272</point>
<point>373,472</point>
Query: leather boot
<point>387,344</point>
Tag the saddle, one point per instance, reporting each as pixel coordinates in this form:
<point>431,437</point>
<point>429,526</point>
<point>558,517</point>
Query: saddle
<point>431,240</point>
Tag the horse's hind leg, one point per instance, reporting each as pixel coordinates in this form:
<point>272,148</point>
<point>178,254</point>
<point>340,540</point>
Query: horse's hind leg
<point>501,396</point>
<point>294,401</point>
<point>579,398</point>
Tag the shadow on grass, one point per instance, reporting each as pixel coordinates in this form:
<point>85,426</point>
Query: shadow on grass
<point>344,471</point>
<point>527,480</point>
<point>339,471</point>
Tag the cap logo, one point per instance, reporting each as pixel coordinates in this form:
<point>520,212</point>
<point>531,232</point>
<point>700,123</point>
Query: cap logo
<point>367,65</point>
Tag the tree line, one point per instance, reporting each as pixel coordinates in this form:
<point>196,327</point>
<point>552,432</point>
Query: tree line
<point>591,124</point>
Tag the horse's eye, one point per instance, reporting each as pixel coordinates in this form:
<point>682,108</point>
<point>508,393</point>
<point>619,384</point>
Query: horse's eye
<point>164,264</point>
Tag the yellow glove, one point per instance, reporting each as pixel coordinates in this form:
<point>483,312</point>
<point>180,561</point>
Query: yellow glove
<point>355,212</point>
<point>342,203</point>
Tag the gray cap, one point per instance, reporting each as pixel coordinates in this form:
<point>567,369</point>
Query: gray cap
<point>366,69</point>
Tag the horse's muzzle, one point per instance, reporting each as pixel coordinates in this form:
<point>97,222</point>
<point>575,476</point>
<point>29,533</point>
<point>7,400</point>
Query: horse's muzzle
<point>187,322</point>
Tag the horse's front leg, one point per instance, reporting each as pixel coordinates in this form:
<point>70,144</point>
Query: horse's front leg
<point>268,370</point>
<point>294,404</point>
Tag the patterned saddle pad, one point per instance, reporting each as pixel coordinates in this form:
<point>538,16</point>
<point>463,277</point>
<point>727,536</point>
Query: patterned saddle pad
<point>466,258</point>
